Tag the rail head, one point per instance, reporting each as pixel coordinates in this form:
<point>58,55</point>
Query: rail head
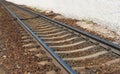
<point>50,51</point>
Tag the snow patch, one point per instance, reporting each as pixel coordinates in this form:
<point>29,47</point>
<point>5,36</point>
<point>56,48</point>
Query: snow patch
<point>104,12</point>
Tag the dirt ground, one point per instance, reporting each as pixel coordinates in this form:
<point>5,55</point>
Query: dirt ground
<point>12,57</point>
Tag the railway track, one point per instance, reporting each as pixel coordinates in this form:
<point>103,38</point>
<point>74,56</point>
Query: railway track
<point>72,50</point>
<point>38,54</point>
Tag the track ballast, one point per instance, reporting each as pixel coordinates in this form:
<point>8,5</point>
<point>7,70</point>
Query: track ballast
<point>77,51</point>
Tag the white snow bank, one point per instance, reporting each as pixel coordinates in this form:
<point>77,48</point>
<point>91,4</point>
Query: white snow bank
<point>105,12</point>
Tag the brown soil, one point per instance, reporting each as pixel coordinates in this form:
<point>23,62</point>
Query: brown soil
<point>30,63</point>
<point>13,59</point>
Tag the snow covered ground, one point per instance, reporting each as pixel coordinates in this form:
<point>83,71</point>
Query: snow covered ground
<point>104,12</point>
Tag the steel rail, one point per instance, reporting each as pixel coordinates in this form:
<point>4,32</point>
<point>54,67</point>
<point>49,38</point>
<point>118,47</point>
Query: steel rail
<point>51,52</point>
<point>94,37</point>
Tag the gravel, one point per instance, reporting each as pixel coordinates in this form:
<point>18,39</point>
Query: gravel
<point>15,59</point>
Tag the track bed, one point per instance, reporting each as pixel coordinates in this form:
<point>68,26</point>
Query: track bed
<point>81,53</point>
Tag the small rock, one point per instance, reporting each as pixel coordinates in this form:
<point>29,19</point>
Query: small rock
<point>28,73</point>
<point>4,56</point>
<point>44,63</point>
<point>18,66</point>
<point>25,54</point>
<point>48,11</point>
<point>59,17</point>
<point>33,49</point>
<point>4,48</point>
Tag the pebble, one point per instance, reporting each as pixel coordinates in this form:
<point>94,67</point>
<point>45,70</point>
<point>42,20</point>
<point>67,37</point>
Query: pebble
<point>28,73</point>
<point>4,56</point>
<point>18,66</point>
